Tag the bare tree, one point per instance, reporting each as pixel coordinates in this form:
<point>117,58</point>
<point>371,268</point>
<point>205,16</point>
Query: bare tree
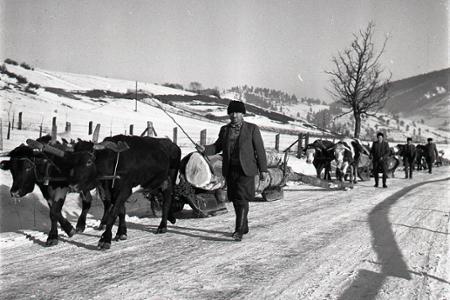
<point>195,86</point>
<point>356,81</point>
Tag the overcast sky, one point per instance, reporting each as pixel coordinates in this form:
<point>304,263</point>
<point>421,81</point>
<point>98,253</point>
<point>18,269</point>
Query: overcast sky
<point>220,43</point>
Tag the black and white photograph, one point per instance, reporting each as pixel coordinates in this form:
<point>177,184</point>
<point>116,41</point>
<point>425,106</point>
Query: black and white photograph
<point>212,149</point>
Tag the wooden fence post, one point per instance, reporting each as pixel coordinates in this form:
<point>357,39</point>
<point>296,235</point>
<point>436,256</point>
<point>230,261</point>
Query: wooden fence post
<point>150,129</point>
<point>54,130</point>
<point>277,142</point>
<point>68,128</point>
<point>203,137</point>
<point>131,129</point>
<point>40,130</point>
<point>90,127</point>
<point>96,133</point>
<point>19,125</point>
<point>175,135</point>
<point>9,131</point>
<point>307,139</point>
<point>300,145</point>
<point>12,124</point>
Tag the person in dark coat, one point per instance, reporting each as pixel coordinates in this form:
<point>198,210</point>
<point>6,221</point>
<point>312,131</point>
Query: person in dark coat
<point>431,154</point>
<point>409,157</point>
<point>244,157</point>
<point>379,153</point>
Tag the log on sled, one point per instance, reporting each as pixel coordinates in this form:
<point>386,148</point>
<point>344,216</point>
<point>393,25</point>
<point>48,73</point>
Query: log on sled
<point>208,177</point>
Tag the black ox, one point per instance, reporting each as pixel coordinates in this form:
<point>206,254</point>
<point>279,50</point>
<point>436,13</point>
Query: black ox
<point>320,154</point>
<point>50,172</point>
<point>149,162</point>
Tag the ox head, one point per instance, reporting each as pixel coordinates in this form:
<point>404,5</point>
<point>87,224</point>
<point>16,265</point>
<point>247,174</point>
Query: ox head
<point>397,150</point>
<point>310,153</point>
<point>28,165</point>
<point>339,154</point>
<point>22,167</point>
<point>84,172</point>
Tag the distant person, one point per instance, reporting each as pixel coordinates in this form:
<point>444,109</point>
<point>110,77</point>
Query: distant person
<point>431,154</point>
<point>409,157</point>
<point>244,157</point>
<point>379,153</point>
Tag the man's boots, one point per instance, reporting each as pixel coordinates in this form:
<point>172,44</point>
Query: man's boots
<point>241,227</point>
<point>245,225</point>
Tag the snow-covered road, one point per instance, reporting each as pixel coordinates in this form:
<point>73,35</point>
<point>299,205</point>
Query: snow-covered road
<point>366,243</point>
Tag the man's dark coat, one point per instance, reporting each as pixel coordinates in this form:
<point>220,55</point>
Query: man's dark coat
<point>431,152</point>
<point>409,153</point>
<point>252,155</point>
<point>380,151</point>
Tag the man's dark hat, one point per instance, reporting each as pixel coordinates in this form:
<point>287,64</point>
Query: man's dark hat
<point>429,139</point>
<point>380,134</point>
<point>409,139</point>
<point>236,106</point>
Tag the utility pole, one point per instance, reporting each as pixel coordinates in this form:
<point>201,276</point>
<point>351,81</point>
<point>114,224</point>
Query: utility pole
<point>135,103</point>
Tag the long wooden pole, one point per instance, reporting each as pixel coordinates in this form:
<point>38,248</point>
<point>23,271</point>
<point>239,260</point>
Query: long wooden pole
<point>192,141</point>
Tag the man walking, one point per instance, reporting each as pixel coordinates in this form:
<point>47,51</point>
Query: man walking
<point>409,156</point>
<point>431,154</point>
<point>244,157</point>
<point>379,153</point>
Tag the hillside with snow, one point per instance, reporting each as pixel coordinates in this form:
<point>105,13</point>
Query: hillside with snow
<point>418,107</point>
<point>423,97</point>
<point>41,95</point>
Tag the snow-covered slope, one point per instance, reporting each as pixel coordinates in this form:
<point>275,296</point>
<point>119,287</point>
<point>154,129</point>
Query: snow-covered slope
<point>72,81</point>
<point>68,98</point>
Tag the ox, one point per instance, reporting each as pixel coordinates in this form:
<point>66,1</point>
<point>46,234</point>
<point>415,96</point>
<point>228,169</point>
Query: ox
<point>347,153</point>
<point>318,153</point>
<point>421,158</point>
<point>50,173</point>
<point>149,162</point>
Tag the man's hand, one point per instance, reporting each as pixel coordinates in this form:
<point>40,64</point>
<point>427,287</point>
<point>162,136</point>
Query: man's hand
<point>263,176</point>
<point>200,148</point>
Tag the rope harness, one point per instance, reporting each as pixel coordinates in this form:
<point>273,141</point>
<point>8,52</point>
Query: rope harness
<point>45,179</point>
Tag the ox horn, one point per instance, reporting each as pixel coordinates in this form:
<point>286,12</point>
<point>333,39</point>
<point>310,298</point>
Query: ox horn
<point>116,147</point>
<point>4,154</point>
<point>53,150</point>
<point>347,148</point>
<point>104,145</point>
<point>45,147</point>
<point>331,148</point>
<point>34,144</point>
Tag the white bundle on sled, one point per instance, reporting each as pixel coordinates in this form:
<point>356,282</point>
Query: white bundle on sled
<point>198,172</point>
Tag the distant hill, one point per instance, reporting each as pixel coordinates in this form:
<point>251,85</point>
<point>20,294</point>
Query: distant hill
<point>424,97</point>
